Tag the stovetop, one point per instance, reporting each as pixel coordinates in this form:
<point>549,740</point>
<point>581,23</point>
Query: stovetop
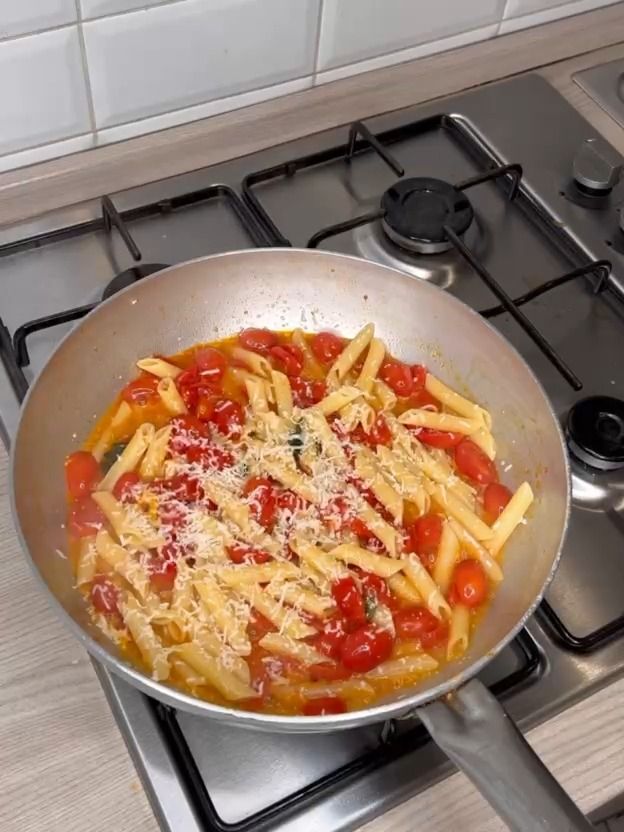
<point>519,134</point>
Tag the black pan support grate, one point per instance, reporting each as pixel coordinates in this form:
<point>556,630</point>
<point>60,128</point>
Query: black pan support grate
<point>581,645</point>
<point>393,743</point>
<point>509,176</point>
<point>13,350</point>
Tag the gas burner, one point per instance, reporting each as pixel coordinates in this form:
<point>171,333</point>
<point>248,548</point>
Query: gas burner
<point>595,432</point>
<point>417,209</point>
<point>130,276</point>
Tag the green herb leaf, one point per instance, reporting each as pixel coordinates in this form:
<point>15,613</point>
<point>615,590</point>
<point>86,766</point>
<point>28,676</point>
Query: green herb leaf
<point>295,441</point>
<point>112,455</point>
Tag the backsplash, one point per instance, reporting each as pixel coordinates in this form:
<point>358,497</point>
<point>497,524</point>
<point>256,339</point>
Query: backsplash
<point>75,74</point>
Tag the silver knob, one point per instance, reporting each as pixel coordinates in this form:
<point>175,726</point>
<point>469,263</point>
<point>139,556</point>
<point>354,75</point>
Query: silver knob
<point>597,166</point>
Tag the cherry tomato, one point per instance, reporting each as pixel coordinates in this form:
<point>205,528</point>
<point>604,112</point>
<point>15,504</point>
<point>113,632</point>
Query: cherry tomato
<point>423,399</point>
<point>495,498</point>
<point>257,340</point>
<point>242,553</point>
<point>162,572</point>
<point>288,358</point>
<point>379,434</point>
<point>328,672</point>
<point>187,384</point>
<point>398,376</point>
<point>365,648</point>
<point>85,517</point>
<point>375,587</point>
<point>213,457</point>
<point>418,624</point>
<point>104,595</point>
<point>211,364</point>
<point>204,406</point>
<point>289,501</point>
<point>227,417</point>
<point>419,376</point>
<point>326,347</point>
<point>82,473</point>
<point>349,601</point>
<point>439,438</point>
<point>184,488</point>
<point>306,392</point>
<point>124,486</point>
<point>262,500</point>
<point>258,626</point>
<point>324,705</point>
<point>470,583</point>
<point>187,432</point>
<point>142,390</point>
<point>330,640</point>
<point>474,463</point>
<point>425,533</point>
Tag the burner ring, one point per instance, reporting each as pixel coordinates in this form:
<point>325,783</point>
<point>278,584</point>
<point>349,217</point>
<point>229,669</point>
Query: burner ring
<point>417,209</point>
<point>595,432</point>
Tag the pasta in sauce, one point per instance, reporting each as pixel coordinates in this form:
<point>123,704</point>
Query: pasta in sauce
<point>289,523</point>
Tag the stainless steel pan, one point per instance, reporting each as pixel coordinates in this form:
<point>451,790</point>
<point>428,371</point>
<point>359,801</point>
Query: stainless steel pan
<point>283,288</point>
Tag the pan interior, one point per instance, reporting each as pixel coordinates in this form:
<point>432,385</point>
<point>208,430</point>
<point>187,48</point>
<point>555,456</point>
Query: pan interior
<point>281,289</point>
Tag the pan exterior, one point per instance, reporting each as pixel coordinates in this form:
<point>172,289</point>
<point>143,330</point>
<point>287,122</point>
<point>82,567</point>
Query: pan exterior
<point>216,296</point>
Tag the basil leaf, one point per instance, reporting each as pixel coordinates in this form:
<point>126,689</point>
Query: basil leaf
<point>295,441</point>
<point>112,455</point>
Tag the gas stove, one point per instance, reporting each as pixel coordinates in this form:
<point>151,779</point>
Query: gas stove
<point>503,196</point>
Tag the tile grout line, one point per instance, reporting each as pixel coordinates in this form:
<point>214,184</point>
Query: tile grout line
<point>85,71</point>
<point>317,48</point>
<point>40,145</point>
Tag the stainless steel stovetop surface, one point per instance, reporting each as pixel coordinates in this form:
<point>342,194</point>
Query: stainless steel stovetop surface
<point>522,120</point>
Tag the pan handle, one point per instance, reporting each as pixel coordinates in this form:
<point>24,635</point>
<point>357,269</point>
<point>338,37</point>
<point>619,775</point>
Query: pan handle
<point>478,735</point>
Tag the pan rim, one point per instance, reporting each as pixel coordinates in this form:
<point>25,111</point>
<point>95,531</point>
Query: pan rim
<point>271,722</point>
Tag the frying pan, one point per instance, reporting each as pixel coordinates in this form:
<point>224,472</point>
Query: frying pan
<point>216,296</point>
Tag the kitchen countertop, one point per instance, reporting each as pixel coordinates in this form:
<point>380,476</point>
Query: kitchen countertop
<point>64,764</point>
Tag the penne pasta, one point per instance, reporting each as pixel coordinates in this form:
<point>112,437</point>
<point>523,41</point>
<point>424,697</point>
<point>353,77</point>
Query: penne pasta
<point>170,397</point>
<point>374,359</point>
<point>324,562</point>
<point>409,482</point>
<point>414,665</point>
<point>87,556</point>
<point>404,589</point>
<point>484,439</point>
<point>338,399</point>
<point>459,632</point>
<point>349,356</point>
<point>150,646</point>
<point>212,644</point>
<point>122,562</point>
<point>447,556</point>
<point>310,364</point>
<point>455,402</point>
<point>477,551</point>
<point>131,526</point>
<point>282,393</point>
<point>367,469</point>
<point>214,672</point>
<point>153,462</point>
<point>130,456</point>
<point>285,646</point>
<point>304,599</point>
<point>358,413</point>
<point>256,393</point>
<point>370,562</point>
<point>511,516</point>
<point>254,362</point>
<point>375,523</point>
<point>232,626</point>
<point>384,395</point>
<point>426,587</point>
<point>316,424</point>
<point>284,618</point>
<point>158,367</point>
<point>241,376</point>
<point>121,417</point>
<point>439,421</point>
<point>258,574</point>
<point>456,508</point>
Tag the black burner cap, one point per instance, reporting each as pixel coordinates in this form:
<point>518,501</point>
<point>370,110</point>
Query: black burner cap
<point>595,432</point>
<point>417,210</point>
<point>130,276</point>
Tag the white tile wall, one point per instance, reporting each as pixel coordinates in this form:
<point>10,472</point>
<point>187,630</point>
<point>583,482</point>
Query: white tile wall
<point>77,73</point>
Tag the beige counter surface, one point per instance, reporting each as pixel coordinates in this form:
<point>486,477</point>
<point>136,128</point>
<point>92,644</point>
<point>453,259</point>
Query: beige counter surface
<point>63,763</point>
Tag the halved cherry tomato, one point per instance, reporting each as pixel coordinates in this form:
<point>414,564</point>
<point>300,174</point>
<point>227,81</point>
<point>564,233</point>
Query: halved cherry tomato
<point>187,432</point>
<point>104,595</point>
<point>257,340</point>
<point>289,501</point>
<point>262,500</point>
<point>123,489</point>
<point>85,517</point>
<point>474,463</point>
<point>258,626</point>
<point>470,583</point>
<point>419,624</point>
<point>398,376</point>
<point>142,390</point>
<point>439,438</point>
<point>288,358</point>
<point>205,405</point>
<point>213,457</point>
<point>419,376</point>
<point>379,434</point>
<point>188,383</point>
<point>365,648</point>
<point>349,601</point>
<point>375,587</point>
<point>326,346</point>
<point>82,473</point>
<point>495,498</point>
<point>211,364</point>
<point>338,515</point>
<point>328,672</point>
<point>330,640</point>
<point>227,417</point>
<point>162,573</point>
<point>307,392</point>
<point>242,553</point>
<point>324,705</point>
<point>423,399</point>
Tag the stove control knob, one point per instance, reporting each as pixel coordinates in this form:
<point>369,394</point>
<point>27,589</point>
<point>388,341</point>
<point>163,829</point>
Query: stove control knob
<point>596,167</point>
